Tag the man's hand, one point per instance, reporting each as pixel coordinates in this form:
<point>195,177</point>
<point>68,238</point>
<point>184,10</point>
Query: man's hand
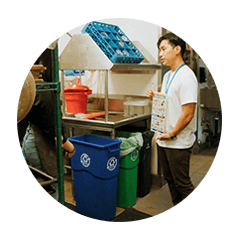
<point>164,136</point>
<point>69,148</point>
<point>150,93</point>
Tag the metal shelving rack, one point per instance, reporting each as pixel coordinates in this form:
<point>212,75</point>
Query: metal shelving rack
<point>56,88</point>
<point>82,53</point>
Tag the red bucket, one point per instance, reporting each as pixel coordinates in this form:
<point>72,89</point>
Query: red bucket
<point>76,97</point>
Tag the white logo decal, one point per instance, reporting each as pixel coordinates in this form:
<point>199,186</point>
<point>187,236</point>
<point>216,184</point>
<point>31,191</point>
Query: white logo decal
<point>111,164</point>
<point>85,160</point>
<point>134,155</point>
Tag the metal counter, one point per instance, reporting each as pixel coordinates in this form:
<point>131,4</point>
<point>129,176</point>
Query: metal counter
<point>115,121</point>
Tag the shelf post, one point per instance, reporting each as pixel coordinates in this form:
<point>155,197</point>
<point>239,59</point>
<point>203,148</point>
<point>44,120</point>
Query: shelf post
<point>106,95</point>
<point>58,119</point>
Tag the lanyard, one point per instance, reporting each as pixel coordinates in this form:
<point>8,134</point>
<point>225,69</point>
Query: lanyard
<point>168,85</point>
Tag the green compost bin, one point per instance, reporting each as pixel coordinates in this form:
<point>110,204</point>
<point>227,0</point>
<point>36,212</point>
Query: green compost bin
<point>128,168</point>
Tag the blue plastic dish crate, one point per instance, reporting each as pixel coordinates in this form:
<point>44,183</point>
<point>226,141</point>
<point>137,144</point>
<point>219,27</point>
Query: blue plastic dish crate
<point>95,167</point>
<point>113,42</point>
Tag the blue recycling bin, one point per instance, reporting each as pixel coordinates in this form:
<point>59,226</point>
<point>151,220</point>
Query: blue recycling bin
<point>95,167</point>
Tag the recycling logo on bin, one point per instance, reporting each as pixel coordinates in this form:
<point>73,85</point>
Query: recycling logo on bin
<point>134,155</point>
<point>85,160</point>
<point>111,164</point>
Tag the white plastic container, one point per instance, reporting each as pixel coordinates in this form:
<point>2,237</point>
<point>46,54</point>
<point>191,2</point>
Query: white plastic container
<point>136,107</point>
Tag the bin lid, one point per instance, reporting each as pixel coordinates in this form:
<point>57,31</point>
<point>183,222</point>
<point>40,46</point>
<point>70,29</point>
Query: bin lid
<point>78,88</point>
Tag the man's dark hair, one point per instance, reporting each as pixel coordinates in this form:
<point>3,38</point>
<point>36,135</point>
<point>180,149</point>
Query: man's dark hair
<point>174,40</point>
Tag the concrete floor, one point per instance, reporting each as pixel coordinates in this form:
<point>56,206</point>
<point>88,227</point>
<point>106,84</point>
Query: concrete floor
<point>159,199</point>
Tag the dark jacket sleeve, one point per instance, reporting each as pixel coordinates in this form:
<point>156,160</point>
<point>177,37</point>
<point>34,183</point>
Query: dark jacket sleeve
<point>42,115</point>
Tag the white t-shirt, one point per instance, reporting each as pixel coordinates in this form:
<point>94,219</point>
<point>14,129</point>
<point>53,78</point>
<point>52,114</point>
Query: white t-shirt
<point>183,90</point>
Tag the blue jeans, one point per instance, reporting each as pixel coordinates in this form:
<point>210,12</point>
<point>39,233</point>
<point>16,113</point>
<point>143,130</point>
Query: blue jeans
<point>30,151</point>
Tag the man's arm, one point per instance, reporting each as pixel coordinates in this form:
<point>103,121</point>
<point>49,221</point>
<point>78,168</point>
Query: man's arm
<point>183,121</point>
<point>185,118</point>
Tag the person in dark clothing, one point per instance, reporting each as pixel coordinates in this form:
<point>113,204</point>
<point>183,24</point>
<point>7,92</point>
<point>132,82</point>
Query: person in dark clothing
<point>42,115</point>
<point>41,120</point>
<point>39,142</point>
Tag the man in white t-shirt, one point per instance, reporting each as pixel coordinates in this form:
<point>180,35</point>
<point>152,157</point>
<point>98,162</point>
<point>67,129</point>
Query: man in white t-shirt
<point>174,145</point>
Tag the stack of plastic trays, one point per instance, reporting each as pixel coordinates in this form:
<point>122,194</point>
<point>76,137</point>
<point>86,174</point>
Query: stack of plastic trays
<point>113,42</point>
